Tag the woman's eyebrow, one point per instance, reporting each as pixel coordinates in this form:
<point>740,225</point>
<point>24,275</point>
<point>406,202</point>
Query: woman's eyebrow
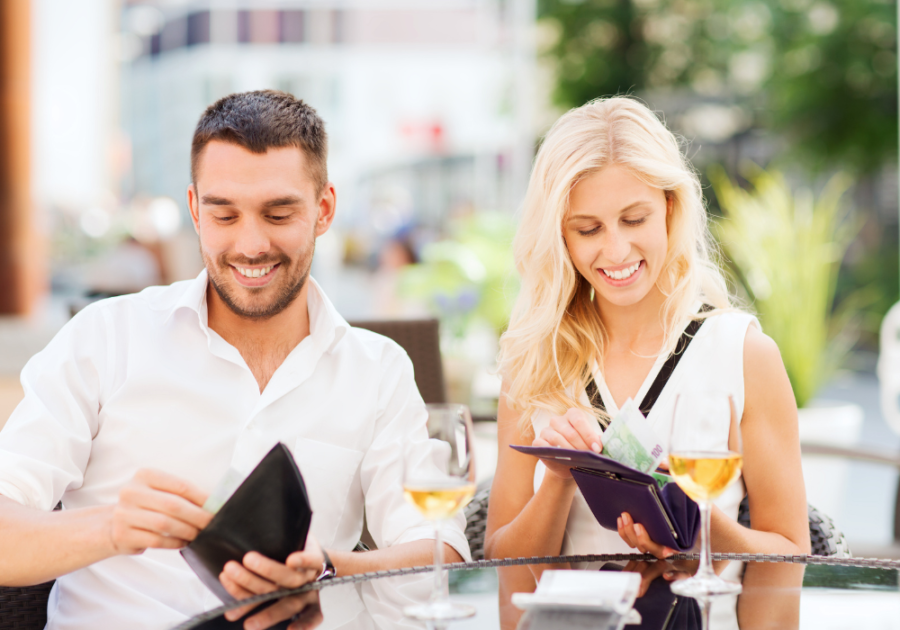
<point>631,206</point>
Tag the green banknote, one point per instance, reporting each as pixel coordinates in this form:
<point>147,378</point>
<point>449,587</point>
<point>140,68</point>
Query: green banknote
<point>629,439</point>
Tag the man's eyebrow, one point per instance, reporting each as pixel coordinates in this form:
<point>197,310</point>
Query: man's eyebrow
<point>212,200</point>
<point>290,200</point>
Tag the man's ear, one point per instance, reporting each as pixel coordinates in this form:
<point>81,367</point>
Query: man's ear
<point>194,206</point>
<point>327,207</point>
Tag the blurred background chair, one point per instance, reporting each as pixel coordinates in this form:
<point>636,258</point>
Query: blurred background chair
<point>24,608</point>
<point>421,340</point>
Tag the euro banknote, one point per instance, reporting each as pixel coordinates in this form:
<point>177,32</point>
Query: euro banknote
<point>630,439</point>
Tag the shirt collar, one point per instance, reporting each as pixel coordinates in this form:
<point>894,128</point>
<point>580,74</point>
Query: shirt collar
<point>326,325</point>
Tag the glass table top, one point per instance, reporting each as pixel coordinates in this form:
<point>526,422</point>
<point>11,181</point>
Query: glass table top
<point>775,596</point>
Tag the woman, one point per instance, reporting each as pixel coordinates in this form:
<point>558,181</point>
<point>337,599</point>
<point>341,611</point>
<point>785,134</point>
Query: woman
<point>615,260</point>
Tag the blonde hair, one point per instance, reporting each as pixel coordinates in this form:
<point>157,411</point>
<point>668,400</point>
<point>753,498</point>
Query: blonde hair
<point>555,331</point>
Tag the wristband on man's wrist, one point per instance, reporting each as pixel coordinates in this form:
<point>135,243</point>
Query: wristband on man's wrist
<point>328,570</point>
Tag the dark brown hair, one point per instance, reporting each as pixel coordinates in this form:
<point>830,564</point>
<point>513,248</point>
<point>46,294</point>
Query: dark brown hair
<point>262,119</point>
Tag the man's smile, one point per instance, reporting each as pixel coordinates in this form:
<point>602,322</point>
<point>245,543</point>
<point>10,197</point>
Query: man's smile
<point>254,276</point>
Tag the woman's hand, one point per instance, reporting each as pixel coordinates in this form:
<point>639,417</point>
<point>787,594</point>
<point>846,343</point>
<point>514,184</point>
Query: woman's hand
<point>636,537</point>
<point>576,429</point>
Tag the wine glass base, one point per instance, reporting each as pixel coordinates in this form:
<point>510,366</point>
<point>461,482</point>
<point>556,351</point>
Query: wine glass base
<point>439,611</point>
<point>700,587</point>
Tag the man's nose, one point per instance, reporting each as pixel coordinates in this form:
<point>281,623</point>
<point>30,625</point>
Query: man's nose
<point>253,241</point>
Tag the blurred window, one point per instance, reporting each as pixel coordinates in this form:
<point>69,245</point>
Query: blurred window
<point>174,34</point>
<point>264,27</point>
<point>292,27</point>
<point>337,25</point>
<point>198,31</point>
<point>243,26</point>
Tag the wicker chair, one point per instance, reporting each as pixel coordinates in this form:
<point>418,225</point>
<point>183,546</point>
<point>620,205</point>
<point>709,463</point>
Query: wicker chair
<point>24,608</point>
<point>826,538</point>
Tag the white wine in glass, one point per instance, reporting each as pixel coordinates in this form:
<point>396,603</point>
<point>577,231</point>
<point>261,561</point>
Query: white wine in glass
<point>704,459</point>
<point>439,480</point>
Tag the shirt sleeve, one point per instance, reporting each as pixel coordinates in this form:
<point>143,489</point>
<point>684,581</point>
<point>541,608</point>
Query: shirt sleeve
<point>46,443</point>
<point>390,518</point>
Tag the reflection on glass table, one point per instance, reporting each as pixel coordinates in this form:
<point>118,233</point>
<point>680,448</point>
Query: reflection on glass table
<point>775,596</point>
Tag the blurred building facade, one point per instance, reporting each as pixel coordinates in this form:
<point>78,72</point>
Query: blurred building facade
<point>428,105</point>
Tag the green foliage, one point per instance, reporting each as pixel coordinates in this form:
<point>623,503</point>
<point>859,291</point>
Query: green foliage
<point>786,249</point>
<point>468,276</point>
<point>820,72</point>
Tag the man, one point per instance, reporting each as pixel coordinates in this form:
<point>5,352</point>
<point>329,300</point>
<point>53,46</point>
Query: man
<point>141,403</point>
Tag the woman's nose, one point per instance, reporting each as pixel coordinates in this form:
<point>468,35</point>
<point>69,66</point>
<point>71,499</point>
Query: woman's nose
<point>616,247</point>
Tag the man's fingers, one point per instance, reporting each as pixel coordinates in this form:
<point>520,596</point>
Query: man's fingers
<point>165,503</point>
<point>131,540</point>
<point>238,592</point>
<point>248,580</point>
<point>275,572</point>
<point>285,608</point>
<point>159,523</point>
<point>159,480</point>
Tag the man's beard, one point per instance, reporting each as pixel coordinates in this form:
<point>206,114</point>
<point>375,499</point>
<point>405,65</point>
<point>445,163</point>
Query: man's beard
<point>288,292</point>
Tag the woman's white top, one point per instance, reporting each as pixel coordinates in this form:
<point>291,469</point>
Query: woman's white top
<point>714,361</point>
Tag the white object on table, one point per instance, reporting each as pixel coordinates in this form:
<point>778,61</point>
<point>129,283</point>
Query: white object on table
<point>596,591</point>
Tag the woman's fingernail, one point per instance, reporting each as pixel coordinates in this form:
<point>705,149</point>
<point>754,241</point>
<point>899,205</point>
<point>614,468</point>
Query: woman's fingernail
<point>639,530</point>
<point>595,447</point>
<point>668,575</point>
<point>619,522</point>
<point>668,552</point>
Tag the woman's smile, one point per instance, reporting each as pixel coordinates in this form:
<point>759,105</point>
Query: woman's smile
<point>622,275</point>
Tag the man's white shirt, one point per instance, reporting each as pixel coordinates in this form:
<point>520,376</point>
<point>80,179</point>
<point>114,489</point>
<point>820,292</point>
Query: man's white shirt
<point>141,381</point>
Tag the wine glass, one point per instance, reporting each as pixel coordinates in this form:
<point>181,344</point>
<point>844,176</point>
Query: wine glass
<point>704,459</point>
<point>439,480</point>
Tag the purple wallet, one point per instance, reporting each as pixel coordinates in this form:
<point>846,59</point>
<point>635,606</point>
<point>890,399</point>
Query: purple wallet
<point>610,488</point>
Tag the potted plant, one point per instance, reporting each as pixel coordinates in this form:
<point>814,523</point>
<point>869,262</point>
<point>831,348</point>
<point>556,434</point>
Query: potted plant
<point>467,281</point>
<point>785,248</point>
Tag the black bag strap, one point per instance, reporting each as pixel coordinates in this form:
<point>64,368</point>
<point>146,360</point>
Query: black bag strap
<point>661,379</point>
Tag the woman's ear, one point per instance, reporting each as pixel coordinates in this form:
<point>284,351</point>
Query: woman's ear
<point>670,201</point>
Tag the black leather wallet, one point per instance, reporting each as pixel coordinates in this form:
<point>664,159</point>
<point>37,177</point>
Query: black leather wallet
<point>268,513</point>
<point>610,488</point>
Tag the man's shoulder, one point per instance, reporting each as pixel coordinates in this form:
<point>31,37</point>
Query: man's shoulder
<point>373,345</point>
<point>155,300</point>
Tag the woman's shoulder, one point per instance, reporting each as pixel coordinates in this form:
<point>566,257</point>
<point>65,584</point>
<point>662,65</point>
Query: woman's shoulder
<point>730,322</point>
<point>741,331</point>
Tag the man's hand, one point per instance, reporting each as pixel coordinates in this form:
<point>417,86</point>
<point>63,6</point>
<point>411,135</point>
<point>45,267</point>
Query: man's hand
<point>258,575</point>
<point>159,511</point>
<point>576,430</point>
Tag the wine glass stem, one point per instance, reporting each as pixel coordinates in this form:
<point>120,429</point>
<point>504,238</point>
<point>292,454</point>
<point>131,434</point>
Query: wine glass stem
<point>705,569</point>
<point>438,594</point>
